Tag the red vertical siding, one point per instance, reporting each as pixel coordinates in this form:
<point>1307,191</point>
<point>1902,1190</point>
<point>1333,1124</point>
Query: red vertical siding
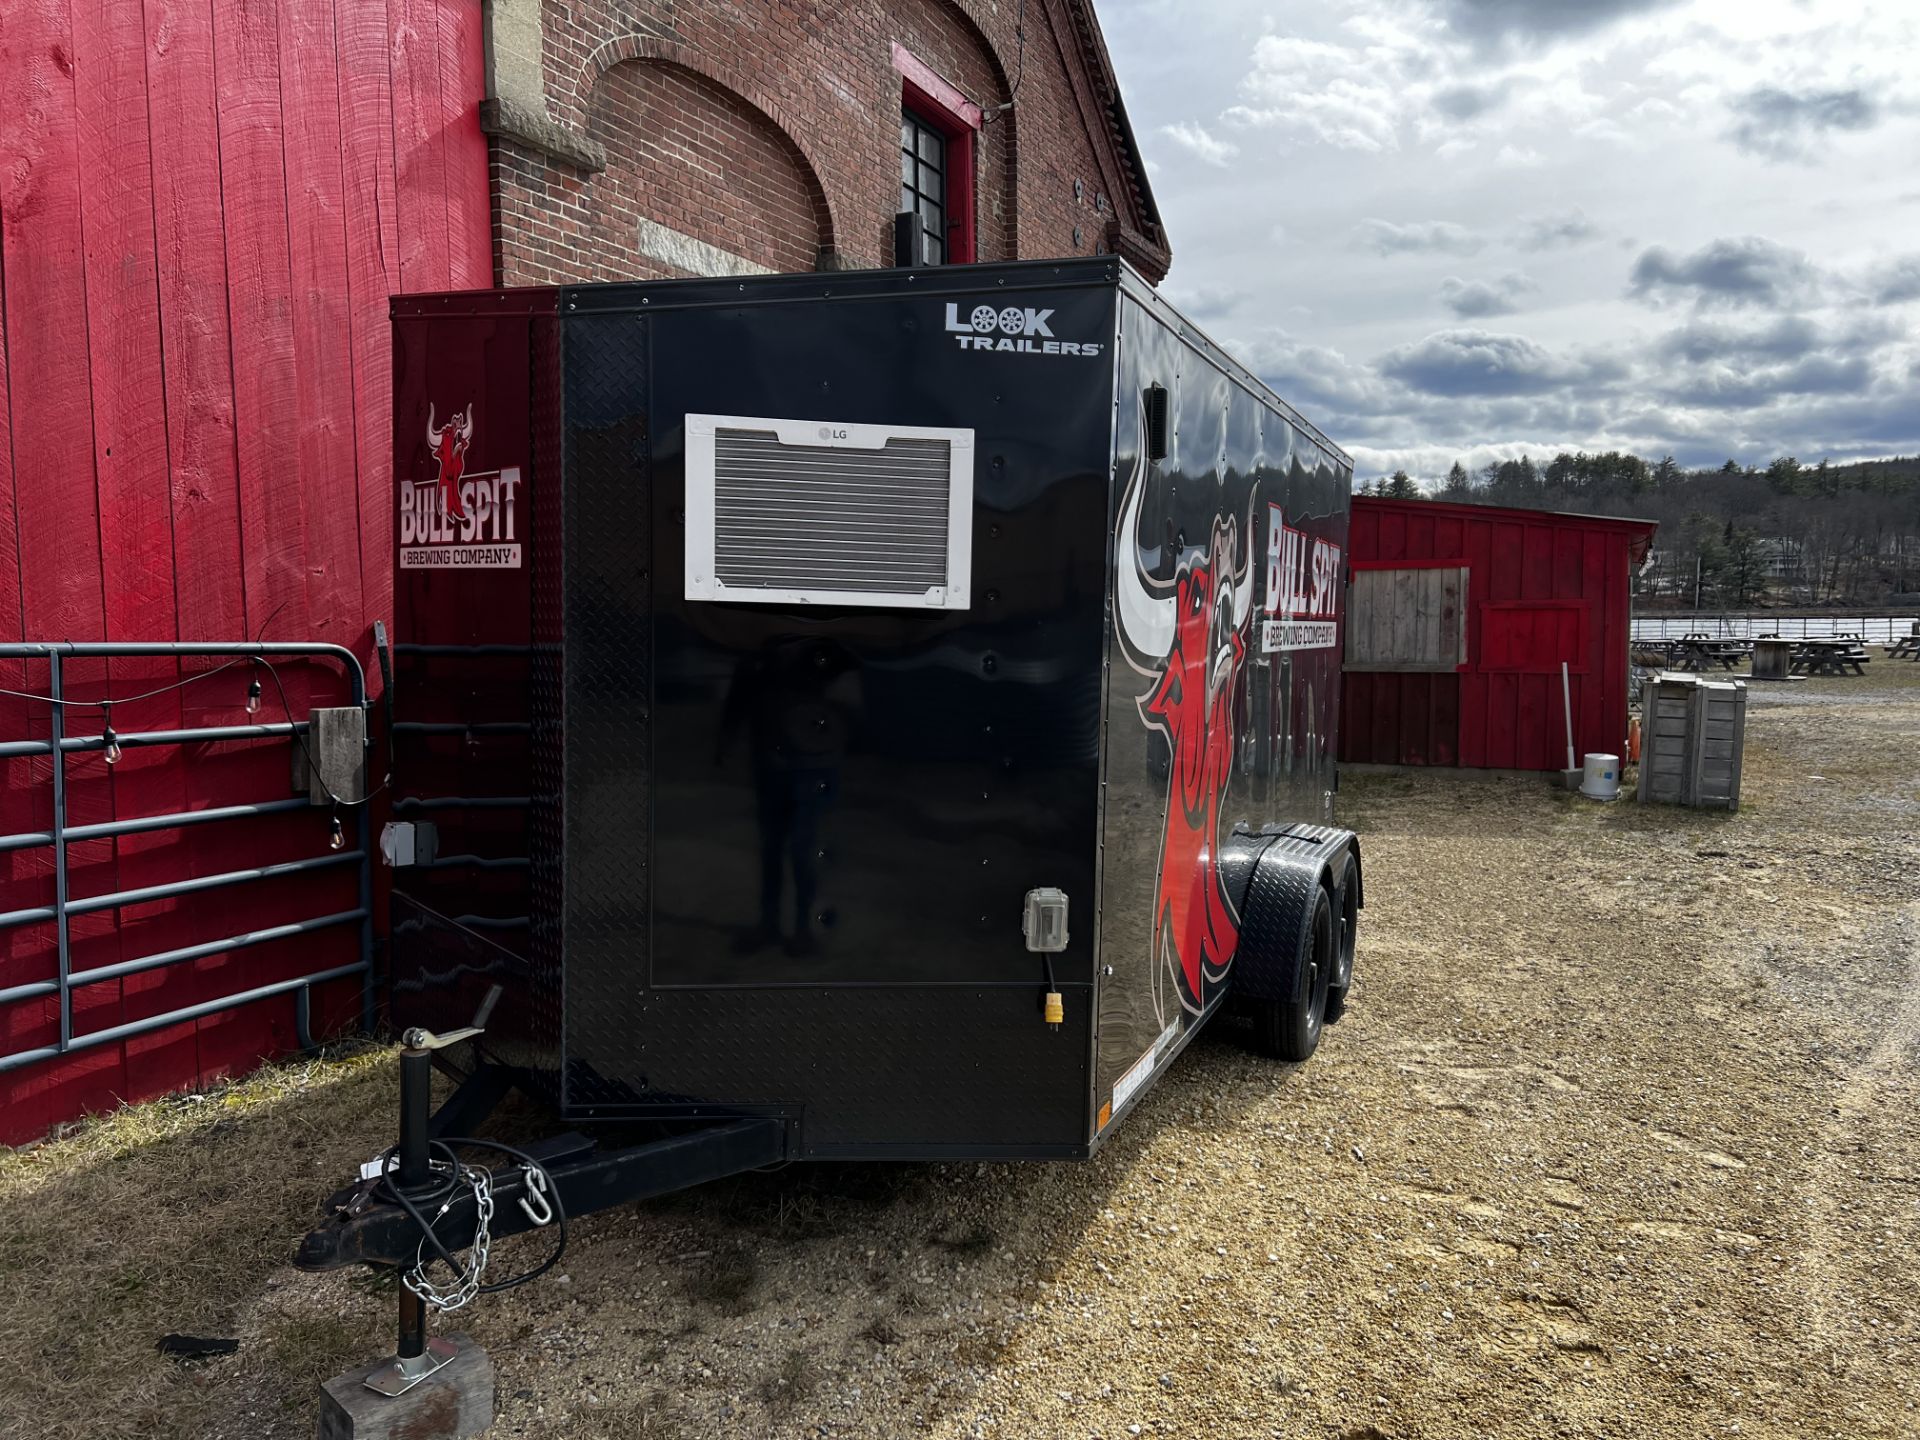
<point>1401,719</point>
<point>1540,587</point>
<point>204,211</point>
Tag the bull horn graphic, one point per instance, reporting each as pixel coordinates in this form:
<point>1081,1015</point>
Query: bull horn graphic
<point>1243,579</point>
<point>461,425</point>
<point>1143,606</point>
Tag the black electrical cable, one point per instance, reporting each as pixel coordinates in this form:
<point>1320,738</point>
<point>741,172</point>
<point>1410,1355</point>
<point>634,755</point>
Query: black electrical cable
<point>448,1184</point>
<point>110,701</point>
<point>990,113</point>
<point>1020,64</point>
<point>313,769</point>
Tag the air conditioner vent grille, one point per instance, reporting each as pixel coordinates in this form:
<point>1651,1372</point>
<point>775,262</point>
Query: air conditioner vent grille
<point>789,511</point>
<point>801,517</point>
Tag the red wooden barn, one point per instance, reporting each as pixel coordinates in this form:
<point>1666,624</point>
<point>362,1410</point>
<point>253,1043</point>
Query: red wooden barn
<point>203,211</point>
<point>1459,619</point>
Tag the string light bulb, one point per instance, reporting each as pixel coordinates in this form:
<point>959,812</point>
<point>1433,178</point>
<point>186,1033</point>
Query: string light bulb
<point>106,734</point>
<point>253,696</point>
<point>336,835</point>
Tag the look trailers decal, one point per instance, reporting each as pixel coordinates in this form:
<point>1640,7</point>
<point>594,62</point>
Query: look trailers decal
<point>457,520</point>
<point>1013,329</point>
<point>1303,589</point>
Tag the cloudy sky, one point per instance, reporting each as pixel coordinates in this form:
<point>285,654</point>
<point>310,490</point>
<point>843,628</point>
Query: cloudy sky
<point>1476,228</point>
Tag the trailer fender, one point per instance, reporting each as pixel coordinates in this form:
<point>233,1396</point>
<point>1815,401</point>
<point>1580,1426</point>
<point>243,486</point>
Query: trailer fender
<point>1286,876</point>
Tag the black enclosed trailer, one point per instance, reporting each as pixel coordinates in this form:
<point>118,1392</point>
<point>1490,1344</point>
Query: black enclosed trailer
<point>800,679</point>
<point>872,716</point>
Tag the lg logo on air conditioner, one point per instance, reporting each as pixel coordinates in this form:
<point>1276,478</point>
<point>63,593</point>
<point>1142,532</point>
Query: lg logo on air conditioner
<point>1014,329</point>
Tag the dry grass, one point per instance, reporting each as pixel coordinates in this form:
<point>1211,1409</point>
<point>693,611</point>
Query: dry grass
<point>166,1217</point>
<point>1615,1140</point>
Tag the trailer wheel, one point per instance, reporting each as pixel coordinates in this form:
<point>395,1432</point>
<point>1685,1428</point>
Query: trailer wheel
<point>1342,982</point>
<point>1290,1029</point>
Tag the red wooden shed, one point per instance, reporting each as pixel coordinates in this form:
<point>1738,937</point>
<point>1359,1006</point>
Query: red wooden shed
<point>1459,619</point>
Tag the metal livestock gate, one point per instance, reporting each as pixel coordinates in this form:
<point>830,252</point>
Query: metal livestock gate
<point>205,212</point>
<point>1460,618</point>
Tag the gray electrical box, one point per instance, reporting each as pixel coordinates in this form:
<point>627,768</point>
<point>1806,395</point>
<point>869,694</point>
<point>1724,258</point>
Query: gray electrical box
<point>1045,923</point>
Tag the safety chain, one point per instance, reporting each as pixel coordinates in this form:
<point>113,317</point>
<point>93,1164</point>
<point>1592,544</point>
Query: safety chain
<point>417,1280</point>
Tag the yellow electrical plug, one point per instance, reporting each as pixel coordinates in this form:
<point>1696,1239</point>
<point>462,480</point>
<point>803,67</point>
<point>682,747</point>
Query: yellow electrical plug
<point>1056,1009</point>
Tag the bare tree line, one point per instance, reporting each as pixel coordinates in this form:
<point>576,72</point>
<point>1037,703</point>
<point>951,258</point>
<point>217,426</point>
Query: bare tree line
<point>1738,536</point>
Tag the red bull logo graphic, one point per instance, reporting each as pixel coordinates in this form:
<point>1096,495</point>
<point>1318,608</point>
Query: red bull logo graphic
<point>458,520</point>
<point>449,444</point>
<point>1188,635</point>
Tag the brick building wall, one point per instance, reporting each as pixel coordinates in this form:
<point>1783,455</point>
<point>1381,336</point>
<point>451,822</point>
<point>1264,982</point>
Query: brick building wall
<point>651,138</point>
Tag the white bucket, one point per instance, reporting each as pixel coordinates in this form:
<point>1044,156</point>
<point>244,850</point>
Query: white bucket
<point>1602,780</point>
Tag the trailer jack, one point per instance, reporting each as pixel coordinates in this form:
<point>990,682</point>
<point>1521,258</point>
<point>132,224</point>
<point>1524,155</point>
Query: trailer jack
<point>420,1202</point>
<point>417,1356</point>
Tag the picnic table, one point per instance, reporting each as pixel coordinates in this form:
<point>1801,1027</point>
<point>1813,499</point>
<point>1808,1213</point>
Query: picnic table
<point>1700,652</point>
<point>1907,647</point>
<point>1830,657</point>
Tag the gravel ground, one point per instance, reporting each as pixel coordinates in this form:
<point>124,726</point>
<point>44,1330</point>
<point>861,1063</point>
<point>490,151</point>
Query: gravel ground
<point>1615,1140</point>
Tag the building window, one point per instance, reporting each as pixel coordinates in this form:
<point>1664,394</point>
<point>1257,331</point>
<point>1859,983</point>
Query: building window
<point>937,128</point>
<point>923,181</point>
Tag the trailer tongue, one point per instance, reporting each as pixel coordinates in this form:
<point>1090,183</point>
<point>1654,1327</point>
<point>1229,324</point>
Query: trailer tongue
<point>866,716</point>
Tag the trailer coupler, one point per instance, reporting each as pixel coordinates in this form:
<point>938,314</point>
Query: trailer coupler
<point>362,1228</point>
<point>424,1201</point>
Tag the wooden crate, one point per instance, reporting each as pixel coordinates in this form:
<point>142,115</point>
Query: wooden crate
<point>1694,736</point>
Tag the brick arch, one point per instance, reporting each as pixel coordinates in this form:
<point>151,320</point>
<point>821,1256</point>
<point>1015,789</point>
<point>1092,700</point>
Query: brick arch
<point>1002,79</point>
<point>651,50</point>
<point>1007,122</point>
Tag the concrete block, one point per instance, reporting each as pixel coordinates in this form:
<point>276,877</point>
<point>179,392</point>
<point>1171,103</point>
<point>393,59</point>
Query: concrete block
<point>453,1403</point>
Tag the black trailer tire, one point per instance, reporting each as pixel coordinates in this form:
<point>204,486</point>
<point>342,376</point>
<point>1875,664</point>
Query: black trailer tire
<point>1290,1029</point>
<point>1347,893</point>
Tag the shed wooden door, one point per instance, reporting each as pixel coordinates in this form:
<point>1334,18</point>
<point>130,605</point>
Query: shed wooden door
<point>1408,620</point>
<point>1406,640</point>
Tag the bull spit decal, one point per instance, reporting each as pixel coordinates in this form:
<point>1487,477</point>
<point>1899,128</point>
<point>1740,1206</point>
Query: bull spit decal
<point>1189,637</point>
<point>460,519</point>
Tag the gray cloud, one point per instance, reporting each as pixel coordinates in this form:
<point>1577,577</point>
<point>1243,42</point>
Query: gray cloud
<point>1207,302</point>
<point>1440,237</point>
<point>1897,282</point>
<point>1477,299</point>
<point>1318,379</point>
<point>1549,232</point>
<point>1788,338</point>
<point>1723,387</point>
<point>1465,102</point>
<point>1492,22</point>
<point>1480,362</point>
<point>1784,124</point>
<point>1750,270</point>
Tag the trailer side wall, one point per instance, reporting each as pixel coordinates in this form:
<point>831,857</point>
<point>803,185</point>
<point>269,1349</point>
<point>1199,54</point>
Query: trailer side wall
<point>1224,658</point>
